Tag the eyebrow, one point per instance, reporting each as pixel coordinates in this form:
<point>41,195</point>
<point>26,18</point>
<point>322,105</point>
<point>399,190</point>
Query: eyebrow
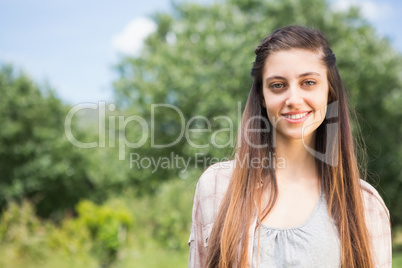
<point>309,73</point>
<point>283,78</point>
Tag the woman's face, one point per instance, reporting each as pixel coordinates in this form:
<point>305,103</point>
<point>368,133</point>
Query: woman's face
<point>295,90</point>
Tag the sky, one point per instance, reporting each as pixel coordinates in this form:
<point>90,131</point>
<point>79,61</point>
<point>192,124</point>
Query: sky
<point>74,45</point>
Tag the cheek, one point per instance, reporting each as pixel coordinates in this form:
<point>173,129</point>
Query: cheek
<point>319,104</point>
<point>273,107</point>
<point>273,103</point>
<point>319,99</point>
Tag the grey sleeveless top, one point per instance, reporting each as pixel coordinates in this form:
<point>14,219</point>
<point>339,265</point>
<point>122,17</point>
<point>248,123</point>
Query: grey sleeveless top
<point>315,243</point>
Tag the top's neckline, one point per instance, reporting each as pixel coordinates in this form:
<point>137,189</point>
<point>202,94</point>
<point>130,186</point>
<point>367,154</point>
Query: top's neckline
<point>300,225</point>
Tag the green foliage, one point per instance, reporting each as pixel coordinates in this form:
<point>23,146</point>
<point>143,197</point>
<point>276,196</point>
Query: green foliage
<point>98,232</point>
<point>200,58</point>
<point>36,161</point>
<point>72,238</point>
<point>18,226</point>
<point>28,241</point>
<point>166,215</point>
<point>25,240</point>
<point>102,235</point>
<point>107,225</point>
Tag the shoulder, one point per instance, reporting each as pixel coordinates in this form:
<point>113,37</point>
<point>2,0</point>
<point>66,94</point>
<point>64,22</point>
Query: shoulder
<point>377,216</point>
<point>215,179</point>
<point>211,188</point>
<point>378,225</point>
<point>372,200</point>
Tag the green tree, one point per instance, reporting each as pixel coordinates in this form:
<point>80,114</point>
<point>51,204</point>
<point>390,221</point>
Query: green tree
<point>37,162</point>
<point>199,60</point>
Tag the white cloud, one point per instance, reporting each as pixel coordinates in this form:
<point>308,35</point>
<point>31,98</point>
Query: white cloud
<point>372,10</point>
<point>131,39</point>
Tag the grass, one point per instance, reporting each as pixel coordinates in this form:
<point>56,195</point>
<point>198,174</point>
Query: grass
<point>397,248</point>
<point>154,258</point>
<point>397,260</point>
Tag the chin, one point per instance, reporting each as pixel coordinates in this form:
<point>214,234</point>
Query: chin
<point>297,136</point>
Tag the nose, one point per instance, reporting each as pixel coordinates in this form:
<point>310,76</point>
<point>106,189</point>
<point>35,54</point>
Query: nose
<point>295,97</point>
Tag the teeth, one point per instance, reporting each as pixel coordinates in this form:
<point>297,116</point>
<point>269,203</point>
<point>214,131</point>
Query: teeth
<point>295,116</point>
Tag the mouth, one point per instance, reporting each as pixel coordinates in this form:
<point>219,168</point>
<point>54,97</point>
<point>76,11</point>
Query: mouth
<point>299,116</point>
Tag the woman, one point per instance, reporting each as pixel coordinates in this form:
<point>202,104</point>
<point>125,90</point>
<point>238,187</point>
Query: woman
<point>293,195</point>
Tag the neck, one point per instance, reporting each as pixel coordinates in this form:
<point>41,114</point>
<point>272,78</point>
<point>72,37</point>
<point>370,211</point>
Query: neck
<point>300,164</point>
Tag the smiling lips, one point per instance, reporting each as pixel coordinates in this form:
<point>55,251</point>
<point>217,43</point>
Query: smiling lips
<point>296,117</point>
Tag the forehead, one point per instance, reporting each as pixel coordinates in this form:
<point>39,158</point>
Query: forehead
<point>294,61</point>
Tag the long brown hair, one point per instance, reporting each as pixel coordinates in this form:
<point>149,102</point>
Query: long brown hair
<point>337,164</point>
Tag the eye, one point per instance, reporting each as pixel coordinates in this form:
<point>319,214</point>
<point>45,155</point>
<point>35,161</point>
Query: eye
<point>309,82</point>
<point>276,86</point>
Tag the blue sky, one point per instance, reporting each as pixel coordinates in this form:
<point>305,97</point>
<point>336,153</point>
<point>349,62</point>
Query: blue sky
<point>73,44</point>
